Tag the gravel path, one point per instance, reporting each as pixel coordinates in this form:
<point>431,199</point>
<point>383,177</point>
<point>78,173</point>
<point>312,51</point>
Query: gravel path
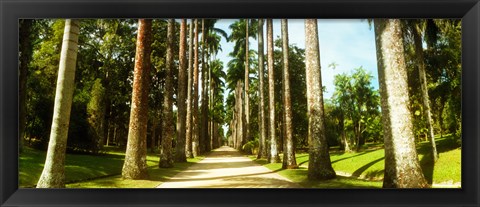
<point>227,168</point>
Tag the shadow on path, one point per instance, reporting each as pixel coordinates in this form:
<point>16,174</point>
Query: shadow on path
<point>227,168</point>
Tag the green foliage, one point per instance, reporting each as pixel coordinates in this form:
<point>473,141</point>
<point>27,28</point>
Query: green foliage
<point>251,147</point>
<point>96,115</point>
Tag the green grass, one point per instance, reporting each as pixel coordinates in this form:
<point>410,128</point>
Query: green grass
<point>157,176</point>
<point>368,166</point>
<point>85,167</point>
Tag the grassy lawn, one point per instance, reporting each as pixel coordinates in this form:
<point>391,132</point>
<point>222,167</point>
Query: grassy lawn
<point>368,165</point>
<point>78,168</point>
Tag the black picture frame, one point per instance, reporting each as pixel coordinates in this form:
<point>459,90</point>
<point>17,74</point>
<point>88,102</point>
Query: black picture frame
<point>12,10</point>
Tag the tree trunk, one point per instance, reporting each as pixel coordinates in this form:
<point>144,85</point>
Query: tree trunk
<point>263,134</point>
<point>195,135</point>
<point>26,50</point>
<point>189,124</point>
<point>425,97</point>
<point>240,115</point>
<point>182,86</point>
<point>274,157</point>
<point>402,169</point>
<point>247,99</point>
<point>319,165</point>
<point>204,121</point>
<point>135,165</point>
<point>53,174</point>
<point>289,149</point>
<point>166,154</point>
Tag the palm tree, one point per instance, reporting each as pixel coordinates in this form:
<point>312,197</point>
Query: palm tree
<point>319,165</point>
<point>166,154</point>
<point>135,165</point>
<point>402,169</point>
<point>263,133</point>
<point>189,124</point>
<point>416,27</point>
<point>182,86</point>
<point>273,158</point>
<point>289,161</point>
<point>247,99</point>
<point>53,174</point>
<point>195,135</point>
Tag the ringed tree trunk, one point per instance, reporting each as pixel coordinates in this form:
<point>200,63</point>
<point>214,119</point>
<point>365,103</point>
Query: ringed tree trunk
<point>189,124</point>
<point>166,153</point>
<point>319,165</point>
<point>195,135</point>
<point>274,157</point>
<point>425,97</point>
<point>262,145</point>
<point>204,121</point>
<point>240,115</point>
<point>289,161</point>
<point>53,174</point>
<point>135,165</point>
<point>182,86</point>
<point>402,169</point>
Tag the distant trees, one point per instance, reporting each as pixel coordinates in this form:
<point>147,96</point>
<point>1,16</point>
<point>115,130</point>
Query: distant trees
<point>53,174</point>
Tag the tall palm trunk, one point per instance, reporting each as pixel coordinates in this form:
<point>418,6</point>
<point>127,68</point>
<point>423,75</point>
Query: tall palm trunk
<point>195,136</point>
<point>240,115</point>
<point>182,86</point>
<point>166,153</point>
<point>189,124</point>
<point>319,165</point>
<point>273,158</point>
<point>402,169</point>
<point>247,99</point>
<point>204,128</point>
<point>289,161</point>
<point>53,174</point>
<point>263,134</point>
<point>423,85</point>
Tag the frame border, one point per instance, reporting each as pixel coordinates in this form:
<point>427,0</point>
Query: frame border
<point>12,10</point>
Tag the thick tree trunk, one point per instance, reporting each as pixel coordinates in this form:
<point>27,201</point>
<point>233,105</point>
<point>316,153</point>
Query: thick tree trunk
<point>319,165</point>
<point>135,165</point>
<point>26,50</point>
<point>189,124</point>
<point>53,174</point>
<point>402,169</point>
<point>204,118</point>
<point>195,135</point>
<point>263,134</point>
<point>166,153</point>
<point>289,150</point>
<point>425,97</point>
<point>274,157</point>
<point>182,86</point>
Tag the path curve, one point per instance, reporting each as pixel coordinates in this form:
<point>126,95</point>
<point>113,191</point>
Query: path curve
<point>225,167</point>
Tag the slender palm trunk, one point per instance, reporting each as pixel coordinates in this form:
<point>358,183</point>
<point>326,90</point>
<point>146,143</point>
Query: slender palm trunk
<point>247,99</point>
<point>195,135</point>
<point>402,169</point>
<point>289,160</point>
<point>425,98</point>
<point>53,174</point>
<point>273,158</point>
<point>182,86</point>
<point>263,134</point>
<point>189,124</point>
<point>166,153</point>
<point>319,165</point>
